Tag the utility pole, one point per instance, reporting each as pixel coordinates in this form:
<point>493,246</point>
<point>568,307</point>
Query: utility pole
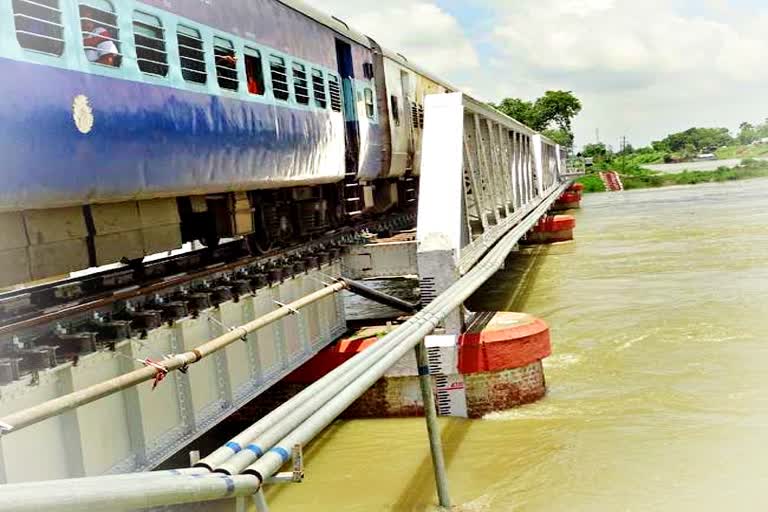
<point>622,149</point>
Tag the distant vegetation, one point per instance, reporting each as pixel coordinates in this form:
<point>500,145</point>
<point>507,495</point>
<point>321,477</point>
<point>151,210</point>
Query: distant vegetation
<point>635,176</point>
<point>750,142</point>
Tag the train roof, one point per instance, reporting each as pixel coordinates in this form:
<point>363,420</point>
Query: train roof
<point>343,28</point>
<point>332,22</point>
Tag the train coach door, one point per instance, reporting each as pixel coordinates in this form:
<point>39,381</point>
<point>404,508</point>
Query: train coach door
<point>352,190</point>
<point>347,72</point>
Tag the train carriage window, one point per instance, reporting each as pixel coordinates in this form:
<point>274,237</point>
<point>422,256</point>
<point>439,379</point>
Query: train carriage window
<point>38,26</point>
<point>335,92</point>
<point>279,78</point>
<point>318,88</point>
<point>395,109</point>
<point>370,109</point>
<point>300,84</point>
<point>253,71</point>
<point>100,33</point>
<point>226,63</point>
<point>191,55</point>
<point>149,38</point>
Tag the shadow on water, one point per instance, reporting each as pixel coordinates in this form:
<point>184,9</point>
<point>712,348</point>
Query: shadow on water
<point>421,491</point>
<point>509,288</point>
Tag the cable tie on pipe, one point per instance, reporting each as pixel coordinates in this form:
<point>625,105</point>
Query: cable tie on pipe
<point>160,371</point>
<point>244,337</point>
<point>294,311</point>
<point>198,355</point>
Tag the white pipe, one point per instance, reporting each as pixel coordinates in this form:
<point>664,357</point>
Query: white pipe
<point>143,492</point>
<point>252,443</point>
<point>78,496</point>
<point>414,330</point>
<point>107,480</point>
<point>38,413</point>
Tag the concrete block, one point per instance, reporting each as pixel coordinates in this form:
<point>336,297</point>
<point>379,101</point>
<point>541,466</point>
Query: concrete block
<point>115,217</point>
<point>243,215</point>
<point>158,212</point>
<point>14,266</point>
<point>55,225</point>
<point>12,229</point>
<point>113,247</point>
<point>58,258</point>
<point>161,238</point>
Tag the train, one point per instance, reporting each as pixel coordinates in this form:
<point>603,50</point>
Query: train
<point>128,128</point>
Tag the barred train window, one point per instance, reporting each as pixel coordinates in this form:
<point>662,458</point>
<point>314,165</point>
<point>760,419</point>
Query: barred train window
<point>253,71</point>
<point>38,26</point>
<point>100,33</point>
<point>191,55</point>
<point>279,78</point>
<point>318,88</point>
<point>226,63</point>
<point>300,85</point>
<point>149,36</point>
<point>335,92</point>
<point>370,110</point>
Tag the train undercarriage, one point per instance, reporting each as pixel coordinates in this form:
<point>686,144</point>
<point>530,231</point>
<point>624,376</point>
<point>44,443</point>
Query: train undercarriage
<point>47,243</point>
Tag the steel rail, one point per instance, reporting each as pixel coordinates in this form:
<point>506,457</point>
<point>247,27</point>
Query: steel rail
<point>38,413</point>
<point>155,284</point>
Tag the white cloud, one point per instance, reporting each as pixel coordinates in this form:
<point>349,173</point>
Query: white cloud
<point>420,30</point>
<point>642,69</point>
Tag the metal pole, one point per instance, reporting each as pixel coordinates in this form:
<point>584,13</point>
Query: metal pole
<point>433,428</point>
<point>260,501</point>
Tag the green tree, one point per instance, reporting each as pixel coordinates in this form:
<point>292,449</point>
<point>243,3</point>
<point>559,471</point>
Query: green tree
<point>595,150</point>
<point>521,110</point>
<point>560,136</point>
<point>552,113</point>
<point>558,107</point>
<point>747,133</point>
<point>694,140</point>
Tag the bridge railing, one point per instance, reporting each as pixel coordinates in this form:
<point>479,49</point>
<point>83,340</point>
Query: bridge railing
<point>482,173</point>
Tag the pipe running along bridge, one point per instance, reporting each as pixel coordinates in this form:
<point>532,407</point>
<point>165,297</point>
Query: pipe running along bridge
<point>86,436</point>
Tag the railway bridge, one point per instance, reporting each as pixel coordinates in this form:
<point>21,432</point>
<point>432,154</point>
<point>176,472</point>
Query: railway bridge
<point>86,434</point>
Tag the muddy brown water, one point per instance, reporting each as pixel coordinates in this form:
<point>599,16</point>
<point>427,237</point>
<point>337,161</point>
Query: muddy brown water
<point>658,384</point>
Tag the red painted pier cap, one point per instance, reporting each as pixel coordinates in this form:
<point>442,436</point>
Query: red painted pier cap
<point>555,223</point>
<point>501,341</point>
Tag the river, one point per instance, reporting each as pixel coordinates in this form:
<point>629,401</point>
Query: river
<point>657,385</point>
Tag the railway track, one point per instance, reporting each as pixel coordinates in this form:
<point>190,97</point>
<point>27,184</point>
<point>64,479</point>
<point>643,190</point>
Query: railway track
<point>47,324</point>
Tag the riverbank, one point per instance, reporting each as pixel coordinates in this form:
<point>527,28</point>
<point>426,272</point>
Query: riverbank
<point>636,177</point>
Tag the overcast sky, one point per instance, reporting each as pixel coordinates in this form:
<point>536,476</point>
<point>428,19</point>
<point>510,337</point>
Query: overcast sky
<point>641,68</point>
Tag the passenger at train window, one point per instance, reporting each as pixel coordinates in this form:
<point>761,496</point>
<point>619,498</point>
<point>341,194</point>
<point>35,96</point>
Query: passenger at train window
<point>254,72</point>
<point>98,41</point>
<point>226,63</point>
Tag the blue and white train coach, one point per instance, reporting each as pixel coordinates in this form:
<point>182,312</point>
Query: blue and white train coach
<point>129,127</point>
